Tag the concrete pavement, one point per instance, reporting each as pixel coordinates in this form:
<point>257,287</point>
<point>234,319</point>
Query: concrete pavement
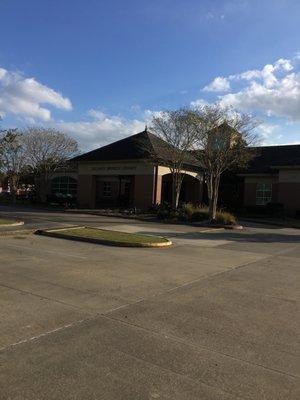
<point>214,317</point>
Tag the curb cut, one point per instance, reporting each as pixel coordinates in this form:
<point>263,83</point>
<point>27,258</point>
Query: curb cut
<point>55,233</point>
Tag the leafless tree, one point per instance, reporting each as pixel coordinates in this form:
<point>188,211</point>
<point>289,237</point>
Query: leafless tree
<point>223,140</point>
<point>47,150</point>
<point>175,128</point>
<point>12,158</point>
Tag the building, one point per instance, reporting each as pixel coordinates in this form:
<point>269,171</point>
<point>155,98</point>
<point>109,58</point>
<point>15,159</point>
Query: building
<point>273,176</point>
<point>132,172</point>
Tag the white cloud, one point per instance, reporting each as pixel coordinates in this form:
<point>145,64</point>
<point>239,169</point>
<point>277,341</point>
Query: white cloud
<point>25,96</point>
<point>273,90</point>
<point>219,84</point>
<point>269,132</point>
<point>274,98</point>
<point>198,103</point>
<point>102,129</point>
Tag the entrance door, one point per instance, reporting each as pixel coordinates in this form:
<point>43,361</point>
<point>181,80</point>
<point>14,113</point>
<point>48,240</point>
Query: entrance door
<point>125,190</point>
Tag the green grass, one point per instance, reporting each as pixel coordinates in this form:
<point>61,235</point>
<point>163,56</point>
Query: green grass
<point>111,236</point>
<point>6,221</point>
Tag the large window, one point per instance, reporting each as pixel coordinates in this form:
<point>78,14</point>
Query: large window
<point>263,193</point>
<point>64,185</point>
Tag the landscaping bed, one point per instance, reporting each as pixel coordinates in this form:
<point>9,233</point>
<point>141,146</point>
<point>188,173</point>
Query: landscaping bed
<point>107,237</point>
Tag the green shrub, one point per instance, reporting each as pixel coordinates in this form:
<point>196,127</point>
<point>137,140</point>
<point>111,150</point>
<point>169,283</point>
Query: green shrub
<point>189,212</point>
<point>200,214</point>
<point>163,210</point>
<point>225,218</point>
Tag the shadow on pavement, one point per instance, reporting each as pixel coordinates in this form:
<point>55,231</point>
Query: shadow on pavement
<point>231,236</point>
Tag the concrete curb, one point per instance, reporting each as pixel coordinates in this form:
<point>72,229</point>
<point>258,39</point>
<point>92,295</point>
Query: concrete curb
<point>18,223</point>
<point>55,233</point>
<point>220,226</point>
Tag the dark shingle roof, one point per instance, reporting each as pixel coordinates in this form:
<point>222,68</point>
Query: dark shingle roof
<point>143,145</point>
<point>274,156</point>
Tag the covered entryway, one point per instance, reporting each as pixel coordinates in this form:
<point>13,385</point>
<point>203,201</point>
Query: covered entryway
<point>191,190</point>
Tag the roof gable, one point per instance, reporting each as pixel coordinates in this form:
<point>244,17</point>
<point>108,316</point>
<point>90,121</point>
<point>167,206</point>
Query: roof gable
<point>143,145</point>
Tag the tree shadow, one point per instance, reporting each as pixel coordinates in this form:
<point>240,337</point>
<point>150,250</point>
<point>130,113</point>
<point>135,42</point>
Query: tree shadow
<point>240,237</point>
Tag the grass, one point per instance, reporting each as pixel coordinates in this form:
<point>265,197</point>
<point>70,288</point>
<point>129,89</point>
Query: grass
<point>111,236</point>
<point>6,221</point>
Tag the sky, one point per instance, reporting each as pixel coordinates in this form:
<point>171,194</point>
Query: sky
<point>99,69</point>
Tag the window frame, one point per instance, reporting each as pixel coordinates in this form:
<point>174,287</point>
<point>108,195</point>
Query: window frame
<point>65,185</point>
<point>263,194</point>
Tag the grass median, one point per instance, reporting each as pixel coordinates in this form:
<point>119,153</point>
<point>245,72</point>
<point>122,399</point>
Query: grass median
<point>4,221</point>
<point>103,236</point>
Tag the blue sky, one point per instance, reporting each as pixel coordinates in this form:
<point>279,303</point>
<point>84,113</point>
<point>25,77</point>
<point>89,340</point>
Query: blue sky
<point>99,69</point>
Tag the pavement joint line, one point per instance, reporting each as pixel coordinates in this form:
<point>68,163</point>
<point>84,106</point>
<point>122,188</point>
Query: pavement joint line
<point>174,338</point>
<point>44,297</point>
<point>202,382</point>
<point>5,272</point>
<point>46,251</point>
<point>41,335</point>
<point>197,347</point>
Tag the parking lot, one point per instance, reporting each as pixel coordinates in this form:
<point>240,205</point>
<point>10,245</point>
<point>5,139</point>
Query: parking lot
<point>215,316</point>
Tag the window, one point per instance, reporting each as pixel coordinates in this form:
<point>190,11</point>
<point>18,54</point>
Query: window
<point>64,185</point>
<point>263,193</point>
<point>106,189</point>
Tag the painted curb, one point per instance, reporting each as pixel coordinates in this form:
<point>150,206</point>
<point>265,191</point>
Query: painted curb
<point>55,233</point>
<point>19,223</point>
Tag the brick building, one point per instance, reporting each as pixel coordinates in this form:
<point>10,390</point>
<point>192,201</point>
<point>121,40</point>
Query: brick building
<point>131,173</point>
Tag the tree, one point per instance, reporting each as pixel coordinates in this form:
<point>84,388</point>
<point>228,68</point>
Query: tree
<point>223,140</point>
<point>176,129</point>
<point>47,150</point>
<point>12,158</point>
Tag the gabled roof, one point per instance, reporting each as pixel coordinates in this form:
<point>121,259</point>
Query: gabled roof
<point>143,145</point>
<point>268,157</point>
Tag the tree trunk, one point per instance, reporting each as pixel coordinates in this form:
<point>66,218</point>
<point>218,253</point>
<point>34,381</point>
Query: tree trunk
<point>213,193</point>
<point>13,186</point>
<point>176,188</point>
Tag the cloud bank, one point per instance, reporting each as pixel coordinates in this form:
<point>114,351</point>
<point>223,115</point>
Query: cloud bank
<point>273,90</point>
<point>26,97</point>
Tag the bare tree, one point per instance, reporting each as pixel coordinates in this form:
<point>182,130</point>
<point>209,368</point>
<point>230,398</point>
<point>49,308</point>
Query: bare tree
<point>12,158</point>
<point>223,140</point>
<point>175,128</point>
<point>47,150</point>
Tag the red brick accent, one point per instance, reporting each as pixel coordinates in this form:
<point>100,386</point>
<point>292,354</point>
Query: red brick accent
<point>289,195</point>
<point>86,191</point>
<point>250,194</point>
<point>143,191</point>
